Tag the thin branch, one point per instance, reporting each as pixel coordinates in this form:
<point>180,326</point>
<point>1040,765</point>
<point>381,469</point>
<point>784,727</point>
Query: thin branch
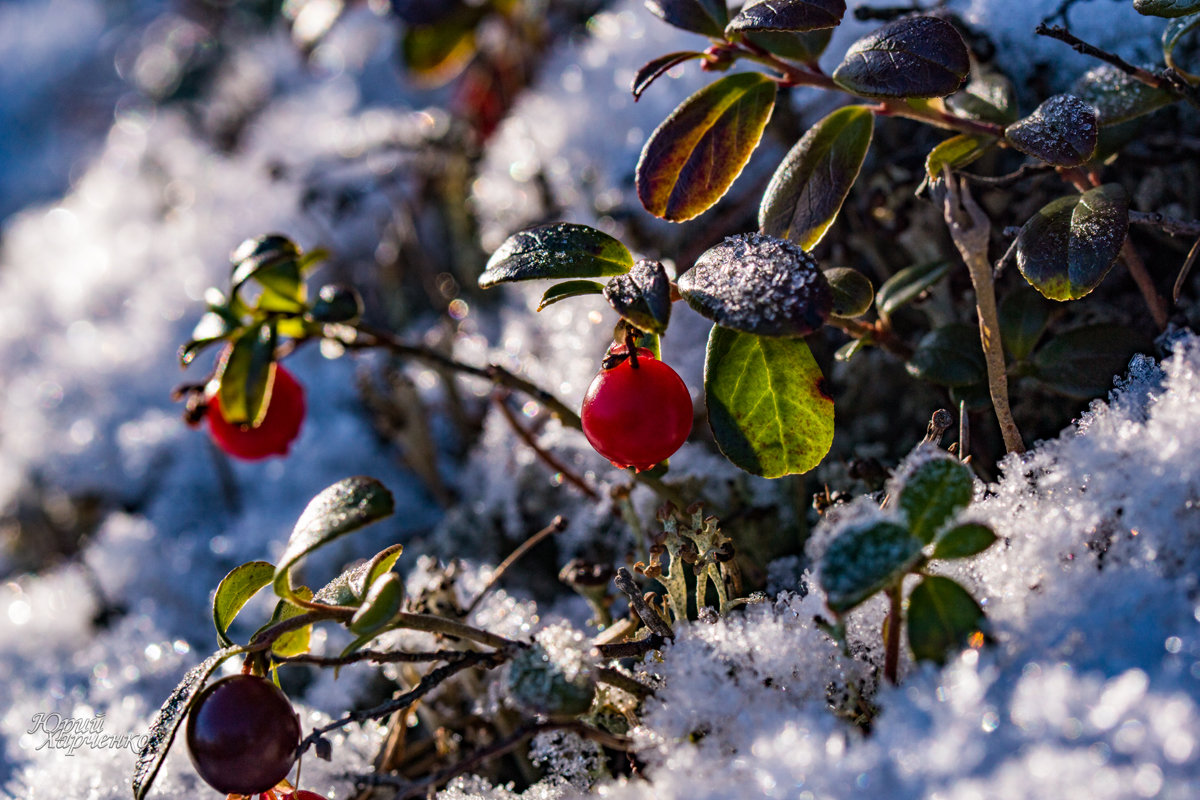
<point>448,627</point>
<point>556,525</point>
<point>874,333</point>
<point>1171,225</point>
<point>633,649</point>
<point>645,612</point>
<point>891,656</point>
<point>374,656</point>
<point>1004,181</point>
<point>1141,276</point>
<point>614,677</point>
<point>549,458</point>
<point>1184,270</point>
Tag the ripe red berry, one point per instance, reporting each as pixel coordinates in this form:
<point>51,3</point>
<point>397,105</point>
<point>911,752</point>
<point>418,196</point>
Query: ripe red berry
<point>242,735</point>
<point>637,416</point>
<point>274,435</point>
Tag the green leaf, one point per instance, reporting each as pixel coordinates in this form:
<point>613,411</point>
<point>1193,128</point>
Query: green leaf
<point>805,47</point>
<point>381,565</point>
<point>988,96</point>
<point>213,327</point>
<point>787,15</point>
<point>1175,31</point>
<point>758,284</point>
<point>935,491</point>
<point>694,156</point>
<point>852,291</point>
<point>292,643</point>
<point>383,602</point>
<point>1118,96</point>
<point>1167,8</point>
<point>767,405</point>
<point>273,262</point>
<point>956,152</point>
<point>707,17</point>
<point>1067,248</point>
<point>949,356</point>
<point>864,558</point>
<point>808,189</point>
<point>346,506</point>
<point>559,250</point>
<point>1024,315</point>
<point>1062,131</point>
<point>233,592</point>
<point>1082,362</point>
<point>642,297</point>
<point>436,54</point>
<point>561,291</point>
<point>168,719</point>
<point>246,375</point>
<point>963,541</point>
<point>941,617</point>
<point>911,57</point>
<point>653,70</point>
<point>908,284</point>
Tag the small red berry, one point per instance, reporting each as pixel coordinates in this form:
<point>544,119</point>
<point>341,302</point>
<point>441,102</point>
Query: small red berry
<point>242,735</point>
<point>637,416</point>
<point>274,435</point>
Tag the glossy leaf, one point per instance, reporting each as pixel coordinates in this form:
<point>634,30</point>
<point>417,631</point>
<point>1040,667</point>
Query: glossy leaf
<point>168,719</point>
<point>988,96</point>
<point>787,15</point>
<point>964,541</point>
<point>1082,362</point>
<point>1175,31</point>
<point>949,356</point>
<point>1167,8</point>
<point>337,303</point>
<point>1024,315</point>
<point>561,291</point>
<point>758,284</point>
<point>908,284</point>
<point>1067,248</point>
<point>292,643</point>
<point>273,262</point>
<point>381,565</point>
<point>863,559</point>
<point>911,57</point>
<point>1061,131</point>
<point>956,153</point>
<point>694,156</point>
<point>941,617</point>
<point>1117,96</point>
<point>246,374</point>
<point>653,70</point>
<point>852,291</point>
<point>642,297</point>
<point>212,327</point>
<point>698,16</point>
<point>933,493</point>
<point>559,250</point>
<point>805,47</point>
<point>767,406</point>
<point>383,602</point>
<point>808,189</point>
<point>344,507</point>
<point>234,591</point>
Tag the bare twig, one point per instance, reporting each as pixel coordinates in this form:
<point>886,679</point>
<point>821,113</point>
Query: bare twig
<point>1175,227</point>
<point>1141,276</point>
<point>633,649</point>
<point>891,655</point>
<point>556,525</point>
<point>1003,181</point>
<point>1184,270</point>
<point>501,401</point>
<point>374,656</point>
<point>874,332</point>
<point>614,677</point>
<point>648,615</point>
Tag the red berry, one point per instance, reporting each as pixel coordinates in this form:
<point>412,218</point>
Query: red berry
<point>274,435</point>
<point>242,735</point>
<point>637,416</point>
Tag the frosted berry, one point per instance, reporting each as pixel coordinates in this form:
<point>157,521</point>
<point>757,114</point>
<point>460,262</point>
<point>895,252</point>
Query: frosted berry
<point>637,416</point>
<point>242,735</point>
<point>278,429</point>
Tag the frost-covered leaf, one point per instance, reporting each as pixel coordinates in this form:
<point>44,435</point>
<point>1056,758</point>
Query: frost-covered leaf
<point>910,57</point>
<point>1118,96</point>
<point>956,152</point>
<point>653,70</point>
<point>344,507</point>
<point>561,291</point>
<point>1083,362</point>
<point>908,284</point>
<point>804,47</point>
<point>1175,31</point>
<point>864,558</point>
<point>384,599</point>
<point>693,157</point>
<point>807,190</point>
<point>1067,248</point>
<point>1167,8</point>
<point>941,617</point>
<point>963,541</point>
<point>949,356</point>
<point>852,291</point>
<point>787,15</point>
<point>988,96</point>
<point>168,719</point>
<point>935,491</point>
<point>642,297</point>
<point>246,374</point>
<point>767,406</point>
<point>558,250</point>
<point>758,284</point>
<point>234,590</point>
<point>698,16</point>
<point>549,682</point>
<point>1024,315</point>
<point>1061,131</point>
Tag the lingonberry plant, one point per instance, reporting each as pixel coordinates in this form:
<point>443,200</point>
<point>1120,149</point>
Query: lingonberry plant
<point>281,417</point>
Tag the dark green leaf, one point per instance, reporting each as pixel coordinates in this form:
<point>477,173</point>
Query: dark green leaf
<point>698,16</point>
<point>963,541</point>
<point>941,618</point>
<point>933,493</point>
<point>908,284</point>
<point>345,506</point>
<point>560,250</point>
<point>767,405</point>
<point>758,284</point>
<point>694,156</point>
<point>168,719</point>
<point>972,397</point>
<point>337,304</point>
<point>1167,8</point>
<point>642,297</point>
<point>807,190</point>
<point>653,70</point>
<point>561,291</point>
<point>234,590</point>
<point>910,57</point>
<point>1067,248</point>
<point>1175,31</point>
<point>1061,131</point>
<point>864,558</point>
<point>1082,362</point>
<point>956,152</point>
<point>246,374</point>
<point>213,327</point>
<point>852,291</point>
<point>274,263</point>
<point>988,96</point>
<point>949,356</point>
<point>804,47</point>
<point>787,15</point>
<point>1024,316</point>
<point>1117,96</point>
<point>384,600</point>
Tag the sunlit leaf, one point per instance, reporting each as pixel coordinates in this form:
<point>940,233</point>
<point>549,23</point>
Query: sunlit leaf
<point>653,70</point>
<point>233,592</point>
<point>956,153</point>
<point>561,291</point>
<point>246,374</point>
<point>1175,31</point>
<point>1067,248</point>
<point>911,57</point>
<point>383,602</point>
<point>558,250</point>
